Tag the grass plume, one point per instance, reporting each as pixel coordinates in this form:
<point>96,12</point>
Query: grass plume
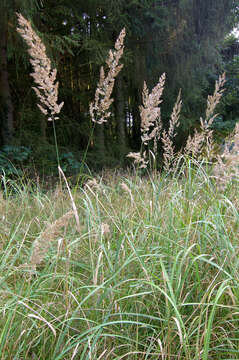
<point>168,136</point>
<point>99,108</point>
<point>151,125</point>
<point>226,168</point>
<point>204,138</point>
<point>150,111</point>
<point>153,273</point>
<point>49,235</point>
<point>43,75</point>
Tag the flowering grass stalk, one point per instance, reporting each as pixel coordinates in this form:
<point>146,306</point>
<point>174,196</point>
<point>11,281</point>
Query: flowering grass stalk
<point>44,76</point>
<point>204,138</point>
<point>99,108</point>
<point>168,136</point>
<point>151,124</point>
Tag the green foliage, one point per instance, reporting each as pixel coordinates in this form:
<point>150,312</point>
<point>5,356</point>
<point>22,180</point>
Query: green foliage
<point>152,272</point>
<point>70,165</point>
<point>229,106</point>
<point>222,128</point>
<point>44,159</point>
<point>230,100</point>
<point>161,36</point>
<point>12,159</point>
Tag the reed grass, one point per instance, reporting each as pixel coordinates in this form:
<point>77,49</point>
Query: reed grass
<point>99,108</point>
<point>150,112</point>
<point>202,142</point>
<point>168,136</point>
<point>151,124</point>
<point>149,271</point>
<point>44,76</point>
<point>151,275</point>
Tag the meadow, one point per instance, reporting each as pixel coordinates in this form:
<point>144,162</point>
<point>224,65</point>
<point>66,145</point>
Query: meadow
<point>150,272</point>
<point>137,264</point>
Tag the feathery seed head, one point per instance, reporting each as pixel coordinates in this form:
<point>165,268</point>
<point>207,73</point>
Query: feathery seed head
<point>42,245</point>
<point>99,108</point>
<point>195,144</point>
<point>43,75</point>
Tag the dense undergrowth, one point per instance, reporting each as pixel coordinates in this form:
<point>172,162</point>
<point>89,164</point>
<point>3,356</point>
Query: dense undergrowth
<point>152,272</point>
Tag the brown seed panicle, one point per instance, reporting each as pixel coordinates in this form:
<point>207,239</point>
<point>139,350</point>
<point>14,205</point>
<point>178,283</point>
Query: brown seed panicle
<point>43,75</point>
<point>99,109</point>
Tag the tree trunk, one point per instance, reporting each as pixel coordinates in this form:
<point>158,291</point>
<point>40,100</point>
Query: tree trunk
<point>120,116</point>
<point>6,105</point>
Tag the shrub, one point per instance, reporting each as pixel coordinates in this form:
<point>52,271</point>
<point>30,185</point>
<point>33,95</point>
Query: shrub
<point>12,158</point>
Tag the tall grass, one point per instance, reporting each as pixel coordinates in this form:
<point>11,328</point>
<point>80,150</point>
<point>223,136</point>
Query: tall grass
<point>44,76</point>
<point>153,274</point>
<point>149,272</point>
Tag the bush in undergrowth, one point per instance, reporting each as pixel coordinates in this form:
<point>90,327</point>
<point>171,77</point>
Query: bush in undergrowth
<point>12,159</point>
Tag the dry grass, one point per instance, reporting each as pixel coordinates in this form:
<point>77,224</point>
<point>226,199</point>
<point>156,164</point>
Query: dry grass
<point>150,112</point>
<point>140,160</point>
<point>168,136</point>
<point>151,124</point>
<point>153,272</point>
<point>99,109</point>
<point>49,235</point>
<point>43,75</point>
<point>204,139</point>
<point>201,143</point>
<point>226,169</point>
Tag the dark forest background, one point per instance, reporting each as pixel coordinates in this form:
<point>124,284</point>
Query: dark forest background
<point>187,39</point>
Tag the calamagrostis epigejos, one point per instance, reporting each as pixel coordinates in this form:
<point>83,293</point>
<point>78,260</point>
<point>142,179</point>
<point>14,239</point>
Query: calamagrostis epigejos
<point>42,245</point>
<point>139,159</point>
<point>226,168</point>
<point>194,144</point>
<point>168,136</point>
<point>151,125</point>
<point>43,75</point>
<point>99,108</point>
<point>150,112</point>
